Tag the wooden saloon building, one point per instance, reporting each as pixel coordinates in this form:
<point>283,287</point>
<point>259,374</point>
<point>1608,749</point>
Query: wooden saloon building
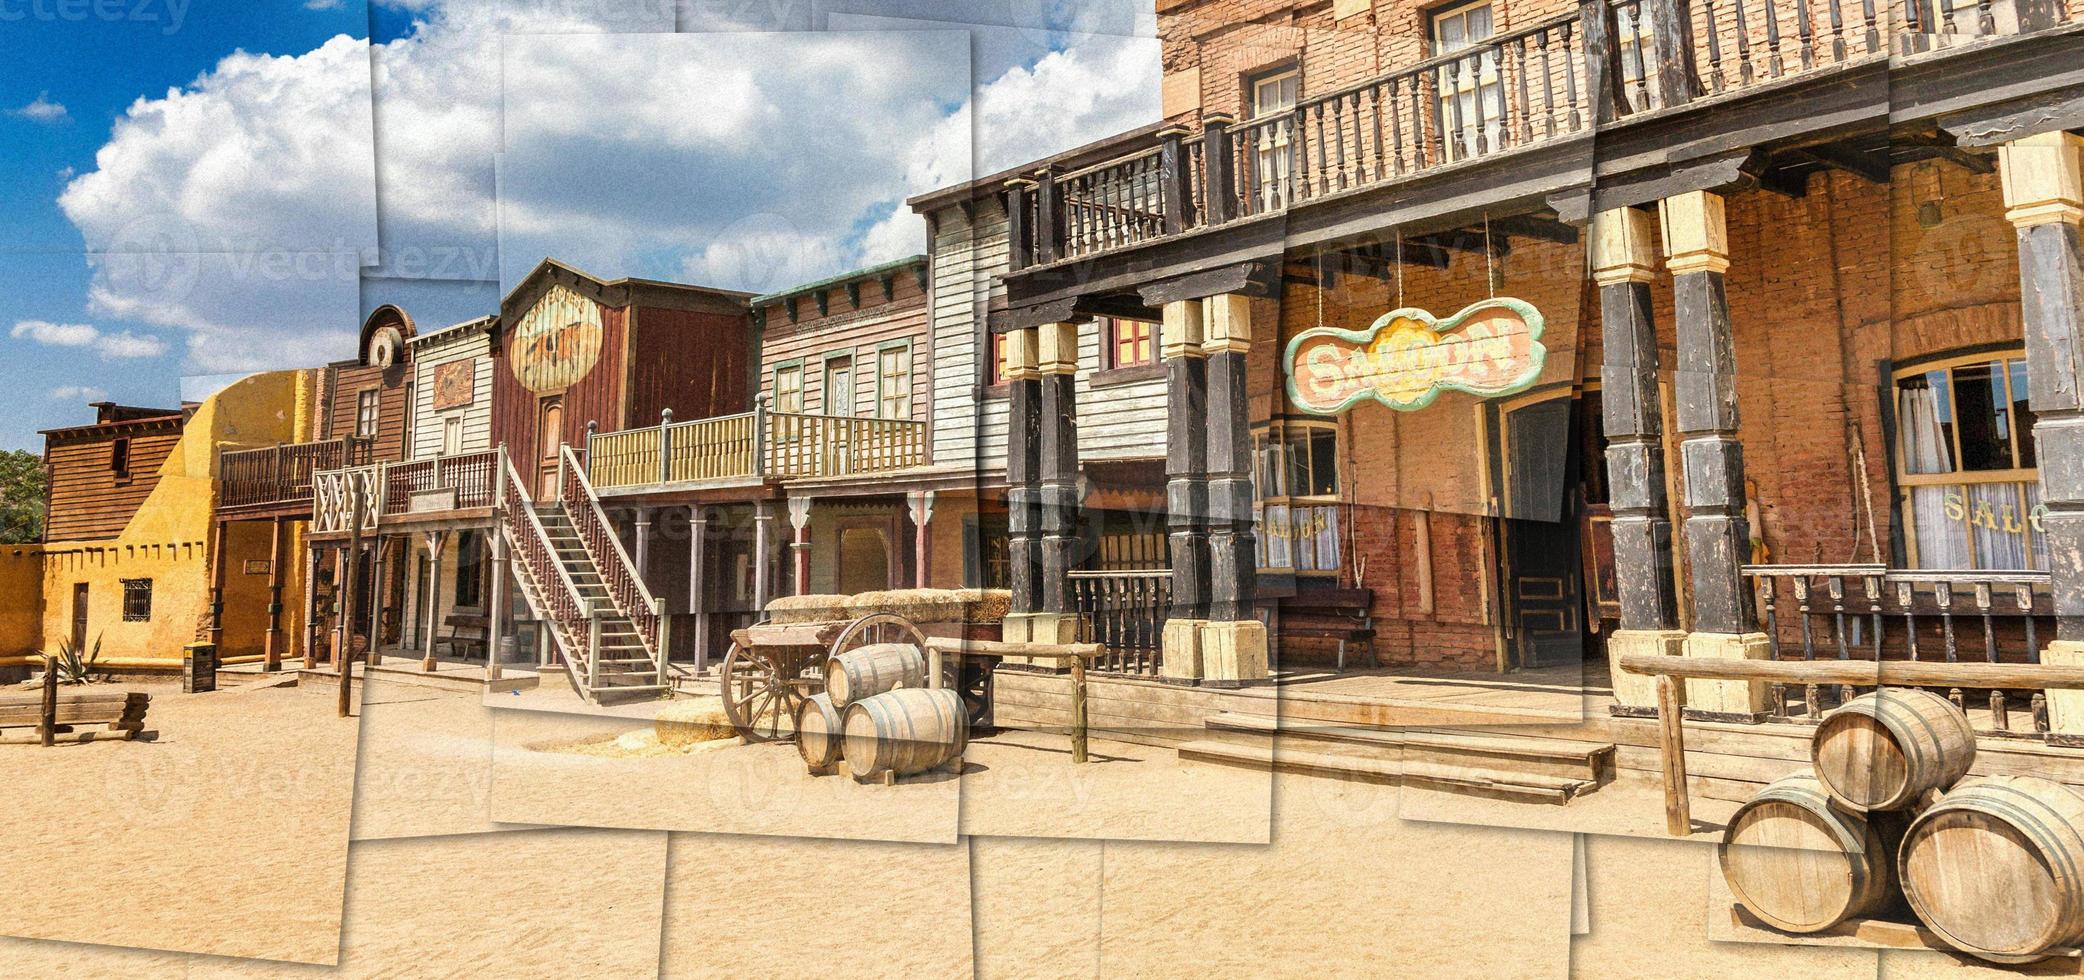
<point>1497,336</point>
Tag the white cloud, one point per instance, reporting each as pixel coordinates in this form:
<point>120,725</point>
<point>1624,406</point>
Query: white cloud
<point>42,110</point>
<point>121,345</point>
<point>79,393</point>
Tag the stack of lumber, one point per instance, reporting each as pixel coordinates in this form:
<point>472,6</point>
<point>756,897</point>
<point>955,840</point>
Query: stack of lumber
<point>1991,866</point>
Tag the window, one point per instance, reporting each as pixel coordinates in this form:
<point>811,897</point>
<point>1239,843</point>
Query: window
<point>1971,495</point>
<point>119,458</point>
<point>137,600</point>
<point>1273,95</point>
<point>1131,343</point>
<point>452,435</point>
<point>1470,102</point>
<point>894,382</point>
<point>365,413</point>
<point>788,389</point>
<point>999,346</point>
<point>839,386</point>
<point>1296,477</point>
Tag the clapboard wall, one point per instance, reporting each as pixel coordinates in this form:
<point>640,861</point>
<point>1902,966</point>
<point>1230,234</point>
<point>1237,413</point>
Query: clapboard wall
<point>468,343</point>
<point>89,499</point>
<point>1117,419</point>
<point>846,331</point>
<point>969,253</point>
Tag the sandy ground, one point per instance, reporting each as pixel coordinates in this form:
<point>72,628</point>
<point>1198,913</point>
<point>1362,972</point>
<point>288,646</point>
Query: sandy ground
<point>737,789</point>
<point>225,834</point>
<point>1650,918</point>
<point>1024,784</point>
<point>1345,889</point>
<point>1630,806</point>
<point>741,907</point>
<point>1036,907</point>
<point>426,763</point>
<point>495,905</point>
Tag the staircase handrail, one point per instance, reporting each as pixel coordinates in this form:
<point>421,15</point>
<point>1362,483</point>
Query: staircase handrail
<point>511,510</point>
<point>624,584</point>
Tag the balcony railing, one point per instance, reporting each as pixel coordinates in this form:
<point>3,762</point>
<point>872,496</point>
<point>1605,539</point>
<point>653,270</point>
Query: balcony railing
<point>281,476</point>
<point>1546,81</point>
<point>758,444</point>
<point>1874,613</point>
<point>460,481</point>
<point>1125,611</point>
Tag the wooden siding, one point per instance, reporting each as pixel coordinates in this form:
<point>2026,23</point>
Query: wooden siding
<point>596,397</point>
<point>967,258</point>
<point>1122,420</point>
<point>344,385</point>
<point>855,333</point>
<point>86,499</point>
<point>693,362</point>
<point>427,423</point>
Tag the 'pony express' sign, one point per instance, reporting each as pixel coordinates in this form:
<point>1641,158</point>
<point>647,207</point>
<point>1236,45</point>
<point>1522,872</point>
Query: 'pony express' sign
<point>1407,358</point>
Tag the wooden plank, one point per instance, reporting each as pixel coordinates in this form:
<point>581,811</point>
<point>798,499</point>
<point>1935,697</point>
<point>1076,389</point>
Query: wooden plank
<point>1678,810</point>
<point>1902,673</point>
<point>1000,648</point>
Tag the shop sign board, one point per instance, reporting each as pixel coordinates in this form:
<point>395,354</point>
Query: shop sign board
<point>1407,358</point>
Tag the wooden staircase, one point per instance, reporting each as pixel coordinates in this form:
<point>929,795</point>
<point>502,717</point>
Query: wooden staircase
<point>1528,767</point>
<point>575,576</point>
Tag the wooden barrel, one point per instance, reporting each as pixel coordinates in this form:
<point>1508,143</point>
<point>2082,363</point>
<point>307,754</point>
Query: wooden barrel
<point>908,730</point>
<point>1996,868</point>
<point>1886,750</point>
<point>1802,863</point>
<point>870,670</point>
<point>818,733</point>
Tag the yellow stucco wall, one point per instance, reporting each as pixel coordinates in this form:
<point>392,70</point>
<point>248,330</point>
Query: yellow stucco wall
<point>167,540</point>
<point>21,598</point>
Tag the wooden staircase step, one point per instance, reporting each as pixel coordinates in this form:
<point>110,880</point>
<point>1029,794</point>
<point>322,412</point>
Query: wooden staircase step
<point>1470,780</point>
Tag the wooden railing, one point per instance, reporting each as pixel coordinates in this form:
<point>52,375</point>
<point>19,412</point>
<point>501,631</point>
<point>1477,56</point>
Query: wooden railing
<point>625,587</point>
<point>1873,613</point>
<point>333,496</point>
<point>544,582</point>
<point>469,476</point>
<point>757,444</point>
<point>1126,613</point>
<point>1549,80</point>
<point>282,474</point>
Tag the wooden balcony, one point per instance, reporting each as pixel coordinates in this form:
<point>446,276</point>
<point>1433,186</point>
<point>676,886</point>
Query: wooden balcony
<point>459,486</point>
<point>1544,84</point>
<point>752,447</point>
<point>278,479</point>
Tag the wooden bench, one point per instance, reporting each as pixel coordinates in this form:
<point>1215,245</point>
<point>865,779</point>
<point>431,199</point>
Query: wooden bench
<point>467,632</point>
<point>86,716</point>
<point>1331,614</point>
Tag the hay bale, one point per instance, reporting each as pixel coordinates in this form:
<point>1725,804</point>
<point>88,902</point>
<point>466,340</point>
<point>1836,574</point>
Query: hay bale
<point>679,724</point>
<point>917,605</point>
<point>986,605</point>
<point>807,609</point>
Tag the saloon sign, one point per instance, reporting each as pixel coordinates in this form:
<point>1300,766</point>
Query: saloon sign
<point>1407,358</point>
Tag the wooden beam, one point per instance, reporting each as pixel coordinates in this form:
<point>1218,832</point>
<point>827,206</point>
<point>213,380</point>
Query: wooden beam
<point>1248,278</point>
<point>1838,156</point>
<point>1892,673</point>
<point>1535,227</point>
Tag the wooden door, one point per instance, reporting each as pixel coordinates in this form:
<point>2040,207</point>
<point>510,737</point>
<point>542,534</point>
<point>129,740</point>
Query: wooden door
<point>549,432</point>
<point>79,617</point>
<point>1540,499</point>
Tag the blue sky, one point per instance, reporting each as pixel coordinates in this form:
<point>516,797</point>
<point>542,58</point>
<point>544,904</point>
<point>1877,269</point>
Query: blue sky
<point>230,185</point>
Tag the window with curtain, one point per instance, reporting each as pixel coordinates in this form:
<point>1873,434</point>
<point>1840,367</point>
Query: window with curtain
<point>1965,462</point>
<point>1296,477</point>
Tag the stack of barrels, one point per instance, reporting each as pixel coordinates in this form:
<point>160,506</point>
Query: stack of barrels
<point>878,717</point>
<point>1994,866</point>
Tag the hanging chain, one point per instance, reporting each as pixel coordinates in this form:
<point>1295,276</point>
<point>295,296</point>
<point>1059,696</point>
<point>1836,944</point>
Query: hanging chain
<point>1400,268</point>
<point>1490,271</point>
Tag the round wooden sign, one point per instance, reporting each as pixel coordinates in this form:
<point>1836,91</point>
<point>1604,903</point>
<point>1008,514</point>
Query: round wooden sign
<point>557,341</point>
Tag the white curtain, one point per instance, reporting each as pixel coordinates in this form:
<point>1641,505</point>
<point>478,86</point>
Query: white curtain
<point>1942,542</point>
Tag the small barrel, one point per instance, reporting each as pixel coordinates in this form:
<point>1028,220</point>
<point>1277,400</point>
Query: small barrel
<point>1801,863</point>
<point>908,730</point>
<point>818,733</point>
<point>870,670</point>
<point>1886,750</point>
<point>1996,868</point>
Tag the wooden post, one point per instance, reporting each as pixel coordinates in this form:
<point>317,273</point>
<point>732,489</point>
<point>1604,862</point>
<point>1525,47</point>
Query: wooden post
<point>1217,194</point>
<point>437,542</point>
<point>697,546</point>
<point>1603,79</point>
<point>1057,362</point>
<point>1671,37</point>
<point>1023,471</point>
<point>1176,198</point>
<point>763,553</point>
<point>310,624</point>
<point>1671,745</point>
<point>1234,642</point>
<point>372,654</point>
<point>217,563</point>
<point>496,611</point>
<point>799,543</point>
<point>1186,487</point>
<point>1049,219</point>
<point>47,723</point>
<point>345,607</point>
<point>641,554</point>
<point>1078,746</point>
<point>920,506</point>
<point>665,445</point>
<point>271,650</point>
<point>1020,249</point>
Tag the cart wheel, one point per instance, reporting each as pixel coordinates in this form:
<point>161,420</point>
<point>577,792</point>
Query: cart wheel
<point>761,690</point>
<point>877,628</point>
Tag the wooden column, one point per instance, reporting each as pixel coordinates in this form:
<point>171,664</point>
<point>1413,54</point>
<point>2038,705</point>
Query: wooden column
<point>309,626</point>
<point>217,563</point>
<point>1670,36</point>
<point>1023,473</point>
<point>2044,199</point>
<point>763,554</point>
<point>496,606</point>
<point>341,635</point>
<point>1057,362</point>
<point>799,543</point>
<point>1624,262</point>
<point>640,554</point>
<point>436,544</point>
<point>1233,641</point>
<point>920,506</point>
<point>1186,488</point>
<point>1718,537</point>
<point>373,653</point>
<point>271,651</point>
<point>697,547</point>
